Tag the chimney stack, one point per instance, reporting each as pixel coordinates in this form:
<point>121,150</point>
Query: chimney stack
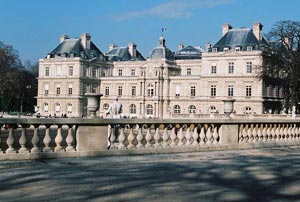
<point>257,30</point>
<point>207,47</point>
<point>180,46</point>
<point>132,49</point>
<point>86,40</point>
<point>111,47</point>
<point>63,37</point>
<point>226,28</point>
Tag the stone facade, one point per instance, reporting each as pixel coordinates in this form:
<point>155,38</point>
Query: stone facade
<point>184,84</point>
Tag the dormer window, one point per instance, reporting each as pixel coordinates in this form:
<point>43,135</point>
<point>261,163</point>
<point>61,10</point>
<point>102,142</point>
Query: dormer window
<point>238,48</point>
<point>226,49</point>
<point>249,48</point>
<point>214,50</point>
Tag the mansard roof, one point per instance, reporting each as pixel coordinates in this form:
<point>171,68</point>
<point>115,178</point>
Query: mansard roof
<point>189,52</point>
<point>242,37</point>
<point>123,54</point>
<point>161,51</point>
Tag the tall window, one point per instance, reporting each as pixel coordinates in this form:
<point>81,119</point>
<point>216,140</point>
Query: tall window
<point>120,91</point>
<point>58,90</point>
<point>249,67</point>
<point>47,71</point>
<point>94,72</point>
<point>249,48</point>
<point>120,72</point>
<point>149,109</point>
<point>150,91</point>
<point>106,90</point>
<point>70,71</point>
<point>230,68</point>
<point>230,90</point>
<point>133,90</point>
<point>132,72</point>
<point>177,91</point>
<point>248,91</point>
<point>193,91</point>
<point>176,109</point>
<point>192,109</point>
<point>84,71</point>
<point>46,89</point>
<point>188,71</point>
<point>57,107</point>
<point>94,88</point>
<point>46,107</point>
<point>70,89</point>
<point>69,108</point>
<point>213,69</point>
<point>213,90</point>
<point>132,109</point>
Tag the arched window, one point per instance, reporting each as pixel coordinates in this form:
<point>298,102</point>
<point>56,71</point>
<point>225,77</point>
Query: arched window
<point>46,107</point>
<point>247,110</point>
<point>150,91</point>
<point>212,109</point>
<point>57,107</point>
<point>149,109</point>
<point>105,107</point>
<point>132,109</point>
<point>69,108</point>
<point>176,109</point>
<point>192,109</point>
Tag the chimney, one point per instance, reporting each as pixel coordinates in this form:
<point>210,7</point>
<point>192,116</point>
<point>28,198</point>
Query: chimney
<point>111,47</point>
<point>207,47</point>
<point>257,27</point>
<point>86,40</point>
<point>63,37</point>
<point>180,46</point>
<point>132,49</point>
<point>226,28</point>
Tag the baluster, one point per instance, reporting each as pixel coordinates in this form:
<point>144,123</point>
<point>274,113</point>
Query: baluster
<point>259,134</point>
<point>70,140</point>
<point>173,137</point>
<point>188,137</point>
<point>254,134</point>
<point>35,139</point>
<point>131,139</point>
<point>139,139</point>
<point>157,138</point>
<point>195,138</point>
<point>278,135</point>
<point>209,136</point>
<point>165,138</point>
<point>148,138</point>
<point>58,140</point>
<point>180,137</point>
<point>202,136</point>
<point>273,132</point>
<point>109,143</point>
<point>296,132</point>
<point>245,135</point>
<point>264,133</point>
<point>10,141</point>
<point>215,136</point>
<point>23,140</point>
<point>286,134</point>
<point>47,140</point>
<point>281,131</point>
<point>241,139</point>
<point>289,131</point>
<point>121,139</point>
<point>269,134</point>
<point>250,135</point>
<point>112,137</point>
<point>293,130</point>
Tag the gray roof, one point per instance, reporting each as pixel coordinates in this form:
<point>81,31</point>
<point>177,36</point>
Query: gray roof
<point>123,54</point>
<point>242,38</point>
<point>161,51</point>
<point>74,48</point>
<point>189,52</point>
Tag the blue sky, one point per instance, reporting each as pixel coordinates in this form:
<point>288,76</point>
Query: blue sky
<point>33,27</point>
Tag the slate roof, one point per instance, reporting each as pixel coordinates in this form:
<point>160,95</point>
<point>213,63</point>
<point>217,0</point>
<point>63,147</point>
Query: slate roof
<point>123,54</point>
<point>243,38</point>
<point>74,48</point>
<point>189,52</point>
<point>161,51</point>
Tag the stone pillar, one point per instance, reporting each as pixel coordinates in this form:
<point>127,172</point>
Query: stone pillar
<point>229,134</point>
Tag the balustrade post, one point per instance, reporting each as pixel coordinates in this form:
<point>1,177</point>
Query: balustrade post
<point>139,138</point>
<point>121,139</point>
<point>148,139</point>
<point>10,141</point>
<point>58,140</point>
<point>35,139</point>
<point>23,140</point>
<point>70,140</point>
<point>157,138</point>
<point>131,139</point>
<point>229,134</point>
<point>47,140</point>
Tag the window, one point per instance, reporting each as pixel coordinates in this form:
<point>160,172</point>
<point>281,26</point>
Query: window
<point>94,72</point>
<point>84,88</point>
<point>238,48</point>
<point>57,107</point>
<point>106,90</point>
<point>193,91</point>
<point>132,109</point>
<point>120,73</point>
<point>94,88</point>
<point>106,107</point>
<point>69,108</point>
<point>213,90</point>
<point>249,67</point>
<point>177,91</point>
<point>230,68</point>
<point>46,89</point>
<point>150,91</point>
<point>132,72</point>
<point>248,91</point>
<point>247,110</point>
<point>176,109</point>
<point>149,109</point>
<point>212,109</point>
<point>46,107</point>
<point>188,71</point>
<point>70,89</point>
<point>226,49</point>
<point>47,71</point>
<point>230,90</point>
<point>120,91</point>
<point>249,48</point>
<point>214,50</point>
<point>58,90</point>
<point>133,90</point>
<point>213,69</point>
<point>70,71</point>
<point>192,109</point>
<point>84,71</point>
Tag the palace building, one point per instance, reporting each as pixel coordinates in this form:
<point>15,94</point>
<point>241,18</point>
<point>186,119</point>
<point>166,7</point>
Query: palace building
<point>168,84</point>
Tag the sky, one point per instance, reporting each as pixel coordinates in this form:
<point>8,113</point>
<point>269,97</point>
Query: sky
<point>33,27</point>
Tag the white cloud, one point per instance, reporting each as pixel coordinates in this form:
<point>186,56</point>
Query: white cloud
<point>173,9</point>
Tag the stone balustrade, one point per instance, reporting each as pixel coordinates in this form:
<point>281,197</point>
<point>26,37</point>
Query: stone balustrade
<point>31,138</point>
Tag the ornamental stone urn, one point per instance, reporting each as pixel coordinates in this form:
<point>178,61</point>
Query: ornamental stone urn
<point>93,103</point>
<point>228,106</point>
